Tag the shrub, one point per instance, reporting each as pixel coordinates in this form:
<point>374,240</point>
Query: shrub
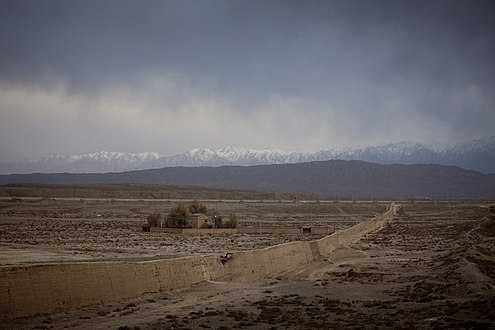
<point>177,217</point>
<point>154,219</point>
<point>197,207</point>
<point>232,222</point>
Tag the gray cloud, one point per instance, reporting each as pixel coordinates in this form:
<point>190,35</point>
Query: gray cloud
<point>127,75</point>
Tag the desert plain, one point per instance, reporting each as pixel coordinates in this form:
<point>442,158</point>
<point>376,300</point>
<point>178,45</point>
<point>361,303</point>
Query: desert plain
<point>431,267</point>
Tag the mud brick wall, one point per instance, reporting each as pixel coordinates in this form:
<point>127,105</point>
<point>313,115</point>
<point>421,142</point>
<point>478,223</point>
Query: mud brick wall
<point>42,289</point>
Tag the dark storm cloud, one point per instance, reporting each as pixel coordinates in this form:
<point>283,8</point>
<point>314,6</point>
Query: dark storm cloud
<point>246,43</point>
<point>342,67</point>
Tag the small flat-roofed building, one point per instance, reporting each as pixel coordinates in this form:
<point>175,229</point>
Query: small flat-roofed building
<point>305,230</point>
<point>201,221</point>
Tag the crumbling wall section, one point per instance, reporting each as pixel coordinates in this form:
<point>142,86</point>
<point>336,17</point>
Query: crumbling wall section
<point>329,243</point>
<point>41,289</point>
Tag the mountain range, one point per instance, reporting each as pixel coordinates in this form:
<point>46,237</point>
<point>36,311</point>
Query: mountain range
<point>478,155</point>
<point>324,178</point>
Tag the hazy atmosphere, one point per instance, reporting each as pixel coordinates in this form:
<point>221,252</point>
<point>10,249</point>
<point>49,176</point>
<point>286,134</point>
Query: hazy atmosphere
<point>168,76</point>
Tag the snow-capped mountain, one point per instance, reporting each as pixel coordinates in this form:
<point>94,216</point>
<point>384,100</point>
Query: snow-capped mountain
<point>402,153</point>
<point>230,156</point>
<point>98,162</point>
<point>476,155</point>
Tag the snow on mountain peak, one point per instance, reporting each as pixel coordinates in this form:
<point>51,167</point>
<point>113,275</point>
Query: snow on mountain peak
<point>478,155</point>
<point>113,155</point>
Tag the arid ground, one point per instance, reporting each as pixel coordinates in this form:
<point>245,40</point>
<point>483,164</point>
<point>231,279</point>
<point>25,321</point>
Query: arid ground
<point>432,267</point>
<point>60,230</point>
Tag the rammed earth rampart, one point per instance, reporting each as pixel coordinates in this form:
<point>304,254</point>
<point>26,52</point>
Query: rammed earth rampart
<point>48,288</point>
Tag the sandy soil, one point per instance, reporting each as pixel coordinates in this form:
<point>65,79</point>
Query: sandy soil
<point>58,230</point>
<point>431,268</point>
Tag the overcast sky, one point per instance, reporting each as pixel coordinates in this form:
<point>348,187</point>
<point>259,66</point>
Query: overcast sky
<point>169,76</point>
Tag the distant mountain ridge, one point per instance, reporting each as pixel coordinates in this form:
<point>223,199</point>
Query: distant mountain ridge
<point>478,155</point>
<point>324,178</point>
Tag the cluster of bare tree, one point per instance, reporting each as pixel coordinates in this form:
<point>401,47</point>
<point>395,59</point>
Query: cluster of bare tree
<point>179,217</point>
